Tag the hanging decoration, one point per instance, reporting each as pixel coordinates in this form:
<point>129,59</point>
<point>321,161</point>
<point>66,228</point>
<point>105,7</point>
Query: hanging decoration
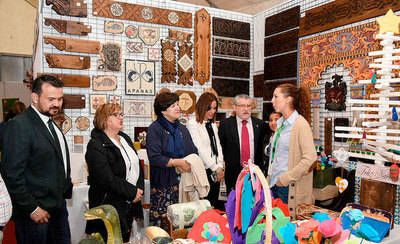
<point>168,61</point>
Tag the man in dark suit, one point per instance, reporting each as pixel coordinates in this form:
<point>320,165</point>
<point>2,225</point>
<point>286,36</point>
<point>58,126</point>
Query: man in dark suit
<point>242,138</point>
<point>36,168</point>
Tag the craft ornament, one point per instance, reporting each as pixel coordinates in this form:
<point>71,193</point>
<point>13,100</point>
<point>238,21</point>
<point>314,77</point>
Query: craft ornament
<point>231,48</point>
<point>110,57</point>
<point>283,21</point>
<point>135,47</point>
<point>154,54</point>
<point>131,31</point>
<point>389,23</point>
<point>180,36</point>
<point>185,64</point>
<point>168,61</point>
<point>116,9</point>
<point>114,99</point>
<point>104,83</point>
<point>187,101</point>
<point>73,45</point>
<point>335,93</point>
<point>395,116</point>
<point>137,108</point>
<point>230,88</point>
<point>341,155</point>
<point>76,8</point>
<point>113,27</point>
<point>139,77</point>
<point>82,123</point>
<point>149,35</point>
<point>96,100</point>
<point>66,125</point>
<point>71,80</point>
<point>202,49</point>
<point>231,28</point>
<point>74,101</point>
<point>69,27</point>
<point>342,184</point>
<point>394,172</point>
<point>67,61</point>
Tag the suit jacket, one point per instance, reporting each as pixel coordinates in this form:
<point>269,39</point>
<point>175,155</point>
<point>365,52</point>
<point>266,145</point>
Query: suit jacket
<point>33,167</point>
<point>229,138</point>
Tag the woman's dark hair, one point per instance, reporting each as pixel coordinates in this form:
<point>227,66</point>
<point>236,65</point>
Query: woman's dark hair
<point>163,101</point>
<point>301,98</point>
<point>204,104</point>
<point>17,108</point>
<point>38,82</point>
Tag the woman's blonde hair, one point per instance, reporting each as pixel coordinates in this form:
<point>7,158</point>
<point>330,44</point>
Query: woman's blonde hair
<point>102,113</point>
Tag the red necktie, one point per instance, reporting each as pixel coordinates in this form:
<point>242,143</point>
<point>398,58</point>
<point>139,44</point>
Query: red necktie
<point>245,145</point>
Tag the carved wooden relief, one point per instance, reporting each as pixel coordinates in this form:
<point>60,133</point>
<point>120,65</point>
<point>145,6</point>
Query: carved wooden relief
<point>110,57</point>
<point>69,27</point>
<point>231,48</point>
<point>335,94</point>
<point>82,123</point>
<point>285,20</point>
<point>185,64</point>
<point>113,27</point>
<point>284,66</point>
<point>73,45</point>
<point>328,135</point>
<point>71,80</point>
<point>77,8</point>
<point>343,12</point>
<point>67,61</point>
<point>72,101</point>
<point>376,194</point>
<point>141,13</point>
<point>149,35</point>
<point>187,101</point>
<point>202,47</point>
<point>131,31</point>
<point>270,86</point>
<point>96,100</point>
<point>231,28</point>
<point>168,61</point>
<point>180,36</point>
<point>281,43</point>
<point>230,88</point>
<point>104,83</point>
<point>230,68</point>
<point>135,47</point>
<point>258,85</point>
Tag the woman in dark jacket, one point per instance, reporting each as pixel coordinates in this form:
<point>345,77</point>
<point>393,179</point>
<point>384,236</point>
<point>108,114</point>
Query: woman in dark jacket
<point>115,176</point>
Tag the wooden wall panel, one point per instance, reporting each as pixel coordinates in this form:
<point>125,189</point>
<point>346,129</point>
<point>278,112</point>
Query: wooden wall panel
<point>284,66</point>
<point>283,21</point>
<point>230,68</point>
<point>231,48</point>
<point>281,43</point>
<point>231,28</point>
<point>258,85</point>
<point>230,88</point>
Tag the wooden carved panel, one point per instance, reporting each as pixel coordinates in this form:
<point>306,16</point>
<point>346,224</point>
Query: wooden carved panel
<point>270,86</point>
<point>77,8</point>
<point>231,28</point>
<point>72,101</point>
<point>281,43</point>
<point>110,57</point>
<point>141,13</point>
<point>230,88</point>
<point>73,45</point>
<point>378,195</point>
<point>69,27</point>
<point>180,36</point>
<point>185,64</point>
<point>202,49</point>
<point>67,61</point>
<point>231,48</point>
<point>230,68</point>
<point>328,135</point>
<point>168,61</point>
<point>71,80</point>
<point>258,85</point>
<point>104,83</point>
<point>187,101</point>
<point>285,20</point>
<point>113,27</point>
<point>284,66</point>
<point>343,12</point>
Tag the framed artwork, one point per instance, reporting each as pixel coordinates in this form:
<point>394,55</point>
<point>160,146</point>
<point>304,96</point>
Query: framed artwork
<point>96,100</point>
<point>114,99</point>
<point>137,108</point>
<point>140,136</point>
<point>139,77</point>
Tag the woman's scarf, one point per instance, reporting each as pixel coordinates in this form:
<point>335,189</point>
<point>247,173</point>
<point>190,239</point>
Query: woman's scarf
<point>175,147</point>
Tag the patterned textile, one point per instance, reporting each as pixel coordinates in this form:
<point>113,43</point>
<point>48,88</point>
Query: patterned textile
<point>160,199</point>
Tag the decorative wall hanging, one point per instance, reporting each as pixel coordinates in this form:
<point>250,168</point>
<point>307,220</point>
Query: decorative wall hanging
<point>231,28</point>
<point>179,36</point>
<point>231,48</point>
<point>104,83</point>
<point>340,122</point>
<point>137,108</point>
<point>140,135</point>
<point>285,20</point>
<point>82,123</point>
<point>115,99</point>
<point>74,101</point>
<point>269,88</point>
<point>287,67</point>
<point>77,8</point>
<point>69,27</point>
<point>154,54</point>
<point>96,100</point>
<point>378,195</point>
<point>315,122</point>
<point>139,77</point>
<point>187,101</point>
<point>67,61</point>
<point>281,43</point>
<point>71,80</point>
<point>135,47</point>
<point>66,125</point>
<point>73,45</point>
<point>185,64</point>
<point>335,94</point>
<point>141,13</point>
<point>59,119</point>
<point>131,31</point>
<point>328,135</point>
<point>258,84</point>
<point>202,35</point>
<point>110,57</point>
<point>113,27</point>
<point>230,68</point>
<point>149,35</point>
<point>343,12</point>
<point>230,88</point>
<point>168,69</point>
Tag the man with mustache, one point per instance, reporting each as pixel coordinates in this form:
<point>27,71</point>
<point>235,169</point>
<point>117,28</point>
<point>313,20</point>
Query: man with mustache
<point>36,169</point>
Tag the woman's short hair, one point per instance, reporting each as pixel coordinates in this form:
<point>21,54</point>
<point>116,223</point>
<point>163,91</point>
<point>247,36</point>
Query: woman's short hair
<point>163,101</point>
<point>204,104</point>
<point>102,113</point>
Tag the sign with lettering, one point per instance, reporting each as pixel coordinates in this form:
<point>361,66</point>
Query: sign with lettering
<point>375,172</point>
<point>139,77</point>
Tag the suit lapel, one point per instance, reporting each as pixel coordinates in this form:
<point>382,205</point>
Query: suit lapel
<point>235,130</point>
<point>256,131</point>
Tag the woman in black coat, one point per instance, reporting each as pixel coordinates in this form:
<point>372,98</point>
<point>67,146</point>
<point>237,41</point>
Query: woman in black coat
<point>115,175</point>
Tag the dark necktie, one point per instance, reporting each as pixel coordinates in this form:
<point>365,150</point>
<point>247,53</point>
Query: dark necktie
<point>245,144</point>
<point>54,134</point>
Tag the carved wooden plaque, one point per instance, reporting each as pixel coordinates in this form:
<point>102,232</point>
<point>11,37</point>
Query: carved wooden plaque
<point>281,43</point>
<point>110,57</point>
<point>82,123</point>
<point>231,48</point>
<point>231,28</point>
<point>104,83</point>
<point>113,27</point>
<point>343,12</point>
<point>154,54</point>
<point>187,101</point>
<point>131,31</point>
<point>258,85</point>
<point>66,125</point>
<point>139,77</point>
<point>73,45</point>
<point>202,52</point>
<point>378,195</point>
<point>149,35</point>
<point>328,135</point>
<point>269,88</point>
<point>115,99</point>
<point>285,20</point>
<point>230,68</point>
<point>77,8</point>
<point>284,66</point>
<point>72,80</point>
<point>185,64</point>
<point>135,47</point>
<point>67,61</point>
<point>230,88</point>
<point>72,101</point>
<point>69,27</point>
<point>168,61</point>
<point>180,36</point>
<point>96,100</point>
<point>141,13</point>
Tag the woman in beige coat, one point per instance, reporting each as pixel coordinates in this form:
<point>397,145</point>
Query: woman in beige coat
<point>293,152</point>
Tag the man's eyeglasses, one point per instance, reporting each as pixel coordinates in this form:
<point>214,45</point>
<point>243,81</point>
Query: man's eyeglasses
<point>118,115</point>
<point>244,105</point>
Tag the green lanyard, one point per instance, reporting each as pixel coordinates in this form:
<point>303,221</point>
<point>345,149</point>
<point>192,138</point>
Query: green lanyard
<point>278,134</point>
